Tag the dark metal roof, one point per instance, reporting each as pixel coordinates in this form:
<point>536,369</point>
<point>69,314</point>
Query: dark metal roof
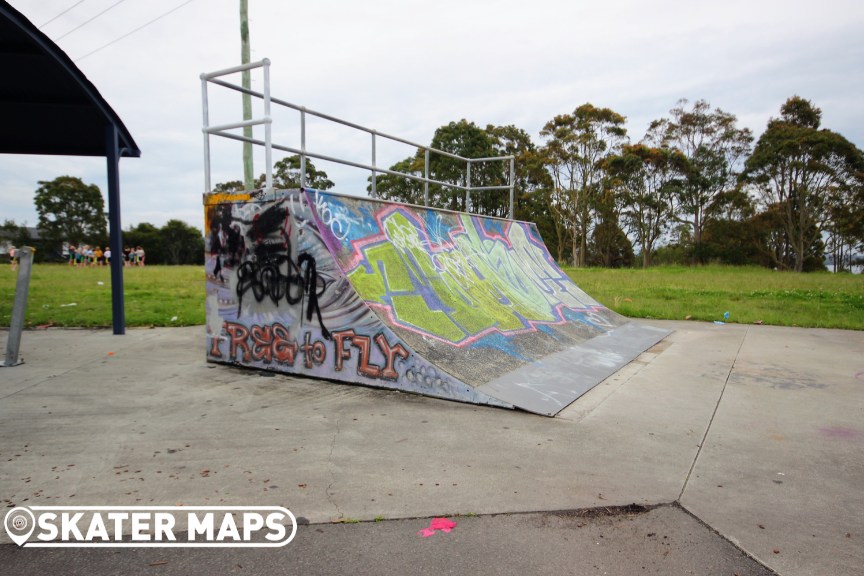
<point>47,105</point>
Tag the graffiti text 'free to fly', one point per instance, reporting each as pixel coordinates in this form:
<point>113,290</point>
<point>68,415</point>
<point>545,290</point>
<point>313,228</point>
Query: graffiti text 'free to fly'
<point>274,343</point>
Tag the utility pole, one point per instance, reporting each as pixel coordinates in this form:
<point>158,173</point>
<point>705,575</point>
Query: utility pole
<point>248,176</point>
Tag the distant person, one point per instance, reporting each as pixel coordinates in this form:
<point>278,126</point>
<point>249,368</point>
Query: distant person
<point>127,256</point>
<point>107,255</point>
<point>13,257</point>
<point>73,254</point>
<point>139,256</point>
<point>97,257</point>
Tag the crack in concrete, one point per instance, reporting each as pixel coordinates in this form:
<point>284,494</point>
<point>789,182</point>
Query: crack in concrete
<point>332,474</point>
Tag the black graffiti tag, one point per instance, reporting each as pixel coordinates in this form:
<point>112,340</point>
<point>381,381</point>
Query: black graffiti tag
<point>266,279</point>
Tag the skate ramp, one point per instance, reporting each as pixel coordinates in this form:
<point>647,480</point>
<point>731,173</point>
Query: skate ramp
<point>446,304</point>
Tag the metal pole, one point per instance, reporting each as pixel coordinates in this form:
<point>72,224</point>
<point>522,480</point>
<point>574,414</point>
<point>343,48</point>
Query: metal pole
<point>512,185</point>
<point>115,232</point>
<point>468,189</point>
<point>302,147</point>
<point>426,181</point>
<point>206,113</point>
<point>268,130</point>
<point>19,307</point>
<point>248,170</point>
<point>374,173</point>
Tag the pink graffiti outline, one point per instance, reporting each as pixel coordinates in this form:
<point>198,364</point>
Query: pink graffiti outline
<point>358,246</point>
<point>493,235</point>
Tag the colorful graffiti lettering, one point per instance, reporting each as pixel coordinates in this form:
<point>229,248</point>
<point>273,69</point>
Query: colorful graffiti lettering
<point>363,344</point>
<point>463,286</point>
<point>274,344</point>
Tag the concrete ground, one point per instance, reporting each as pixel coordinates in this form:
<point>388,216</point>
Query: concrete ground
<point>745,436</point>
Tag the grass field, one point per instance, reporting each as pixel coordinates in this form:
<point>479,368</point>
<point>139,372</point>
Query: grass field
<point>63,296</point>
<point>174,295</point>
<point>816,300</point>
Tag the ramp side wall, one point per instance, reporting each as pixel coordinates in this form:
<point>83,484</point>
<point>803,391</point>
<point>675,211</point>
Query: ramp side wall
<point>277,300</point>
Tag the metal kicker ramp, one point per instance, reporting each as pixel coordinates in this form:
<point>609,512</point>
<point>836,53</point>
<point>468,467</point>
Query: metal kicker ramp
<point>418,299</point>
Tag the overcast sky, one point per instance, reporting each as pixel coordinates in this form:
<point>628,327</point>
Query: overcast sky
<point>406,67</point>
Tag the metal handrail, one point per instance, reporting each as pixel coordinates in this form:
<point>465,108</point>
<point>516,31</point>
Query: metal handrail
<point>222,130</point>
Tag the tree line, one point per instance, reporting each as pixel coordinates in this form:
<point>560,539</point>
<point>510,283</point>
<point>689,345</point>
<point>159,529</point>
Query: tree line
<point>694,189</point>
<point>72,213</point>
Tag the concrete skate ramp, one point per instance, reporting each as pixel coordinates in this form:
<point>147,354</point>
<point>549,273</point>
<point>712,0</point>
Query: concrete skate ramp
<point>430,301</point>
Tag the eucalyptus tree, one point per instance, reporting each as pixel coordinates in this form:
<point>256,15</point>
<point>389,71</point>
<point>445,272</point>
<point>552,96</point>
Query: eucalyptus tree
<point>803,171</point>
<point>576,146</point>
<point>715,147</point>
<point>646,180</point>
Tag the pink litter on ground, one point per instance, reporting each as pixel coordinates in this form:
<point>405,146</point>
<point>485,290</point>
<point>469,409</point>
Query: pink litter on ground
<point>442,524</point>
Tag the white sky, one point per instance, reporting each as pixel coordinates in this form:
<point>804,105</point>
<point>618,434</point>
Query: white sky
<point>407,67</point>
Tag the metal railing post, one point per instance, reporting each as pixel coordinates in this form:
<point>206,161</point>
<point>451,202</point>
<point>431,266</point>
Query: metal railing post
<point>426,179</point>
<point>303,147</point>
<point>468,190</point>
<point>206,113</point>
<point>512,186</point>
<point>19,306</point>
<point>268,130</point>
<point>374,173</point>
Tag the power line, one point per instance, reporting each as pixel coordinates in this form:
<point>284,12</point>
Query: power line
<point>90,20</point>
<point>61,14</point>
<point>133,31</point>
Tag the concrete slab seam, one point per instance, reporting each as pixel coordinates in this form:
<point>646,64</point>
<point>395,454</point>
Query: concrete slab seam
<point>40,382</point>
<point>713,414</point>
<point>332,474</point>
<point>678,504</point>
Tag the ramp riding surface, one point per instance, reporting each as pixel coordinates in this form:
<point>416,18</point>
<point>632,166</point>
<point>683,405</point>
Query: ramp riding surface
<point>424,300</point>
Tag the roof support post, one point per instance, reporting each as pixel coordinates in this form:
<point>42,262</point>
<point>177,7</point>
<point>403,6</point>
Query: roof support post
<point>115,232</point>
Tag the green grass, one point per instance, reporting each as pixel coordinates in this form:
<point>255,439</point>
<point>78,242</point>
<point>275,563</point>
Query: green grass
<point>156,294</point>
<point>816,300</point>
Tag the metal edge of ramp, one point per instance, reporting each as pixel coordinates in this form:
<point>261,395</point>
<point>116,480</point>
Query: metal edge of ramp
<point>549,385</point>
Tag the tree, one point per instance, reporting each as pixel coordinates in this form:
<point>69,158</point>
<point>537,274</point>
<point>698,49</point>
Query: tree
<point>845,228</point>
<point>800,170</point>
<point>17,235</point>
<point>182,244</point>
<point>647,179</point>
<point>714,147</point>
<point>400,188</point>
<point>174,243</point>
<point>468,140</point>
<point>70,211</point>
<point>231,186</point>
<point>147,236</point>
<point>576,146</point>
<point>286,175</point>
<point>609,247</point>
